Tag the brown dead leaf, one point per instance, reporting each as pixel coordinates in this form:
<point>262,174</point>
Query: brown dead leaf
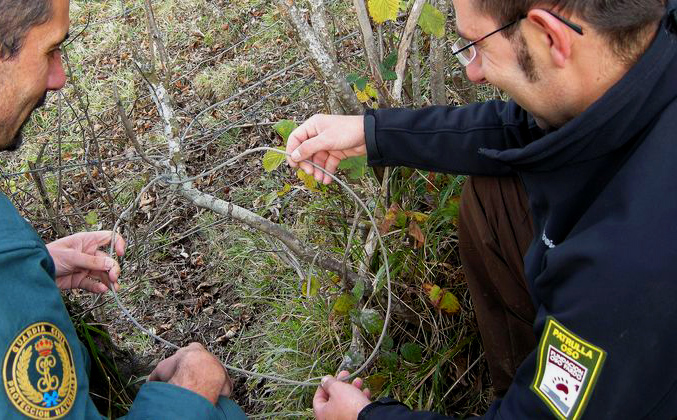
<point>430,186</point>
<point>389,219</point>
<point>416,233</point>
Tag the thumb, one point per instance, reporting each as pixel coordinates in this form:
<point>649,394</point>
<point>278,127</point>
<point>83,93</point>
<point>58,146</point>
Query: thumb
<point>308,148</point>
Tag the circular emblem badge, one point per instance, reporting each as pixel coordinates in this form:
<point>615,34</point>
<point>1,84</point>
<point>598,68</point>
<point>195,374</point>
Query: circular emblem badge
<point>39,374</point>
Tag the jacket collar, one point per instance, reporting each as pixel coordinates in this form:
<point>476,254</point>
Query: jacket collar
<point>620,115</point>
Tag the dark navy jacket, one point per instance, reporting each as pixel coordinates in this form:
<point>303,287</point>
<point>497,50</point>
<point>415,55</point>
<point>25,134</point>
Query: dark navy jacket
<point>602,269</point>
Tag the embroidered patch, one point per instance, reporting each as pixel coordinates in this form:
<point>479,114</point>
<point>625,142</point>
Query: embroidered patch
<point>568,368</point>
<point>39,374</point>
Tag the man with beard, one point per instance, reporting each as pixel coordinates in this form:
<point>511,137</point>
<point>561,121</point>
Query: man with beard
<point>568,224</point>
<point>44,366</point>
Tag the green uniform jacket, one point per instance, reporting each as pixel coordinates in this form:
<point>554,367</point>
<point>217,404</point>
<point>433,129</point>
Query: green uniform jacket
<point>44,365</point>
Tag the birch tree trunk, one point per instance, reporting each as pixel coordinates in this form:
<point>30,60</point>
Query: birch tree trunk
<point>404,48</point>
<point>438,61</point>
<point>318,18</point>
<point>329,69</point>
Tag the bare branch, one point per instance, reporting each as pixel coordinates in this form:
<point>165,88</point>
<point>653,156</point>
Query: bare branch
<point>253,220</point>
<point>416,71</point>
<point>331,73</point>
<point>156,38</point>
<point>403,50</point>
<point>46,202</point>
<point>129,130</point>
<point>373,58</point>
<point>438,61</point>
<point>318,18</point>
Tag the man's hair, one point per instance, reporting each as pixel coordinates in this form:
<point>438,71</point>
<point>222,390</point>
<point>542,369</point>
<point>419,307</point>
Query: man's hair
<point>17,17</point>
<point>622,22</point>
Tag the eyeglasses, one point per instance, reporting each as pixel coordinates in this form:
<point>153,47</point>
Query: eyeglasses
<point>466,52</point>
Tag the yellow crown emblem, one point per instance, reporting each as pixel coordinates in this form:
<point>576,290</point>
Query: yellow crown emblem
<point>44,346</point>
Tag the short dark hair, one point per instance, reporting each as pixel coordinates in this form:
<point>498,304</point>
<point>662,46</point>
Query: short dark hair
<point>622,22</point>
<point>17,17</point>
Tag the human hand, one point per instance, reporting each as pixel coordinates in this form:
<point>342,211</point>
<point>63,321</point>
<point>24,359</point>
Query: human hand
<point>336,400</point>
<point>326,140</point>
<point>81,264</point>
<point>197,370</point>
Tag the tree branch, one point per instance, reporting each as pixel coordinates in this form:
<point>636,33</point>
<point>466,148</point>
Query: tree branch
<point>331,73</point>
<point>403,50</point>
<point>438,61</point>
<point>373,58</point>
<point>129,129</point>
<point>253,220</point>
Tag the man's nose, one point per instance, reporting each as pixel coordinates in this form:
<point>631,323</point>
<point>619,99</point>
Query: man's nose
<point>474,71</point>
<point>56,79</point>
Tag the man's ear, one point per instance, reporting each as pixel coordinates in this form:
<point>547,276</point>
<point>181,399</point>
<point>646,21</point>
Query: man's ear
<point>556,34</point>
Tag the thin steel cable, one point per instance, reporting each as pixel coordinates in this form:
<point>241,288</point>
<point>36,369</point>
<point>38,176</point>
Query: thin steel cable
<point>313,382</point>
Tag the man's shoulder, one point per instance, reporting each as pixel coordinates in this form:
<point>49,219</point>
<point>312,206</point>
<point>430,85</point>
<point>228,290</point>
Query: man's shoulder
<point>13,227</point>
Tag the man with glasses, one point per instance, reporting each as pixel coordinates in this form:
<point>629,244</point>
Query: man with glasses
<point>567,224</point>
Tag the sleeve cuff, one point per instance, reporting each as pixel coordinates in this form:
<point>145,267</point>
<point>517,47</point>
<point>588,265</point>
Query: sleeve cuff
<point>158,400</point>
<point>382,402</point>
<point>373,154</point>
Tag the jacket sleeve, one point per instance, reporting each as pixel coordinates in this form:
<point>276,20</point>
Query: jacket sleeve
<point>388,408</point>
<point>158,400</point>
<point>34,323</point>
<point>448,139</point>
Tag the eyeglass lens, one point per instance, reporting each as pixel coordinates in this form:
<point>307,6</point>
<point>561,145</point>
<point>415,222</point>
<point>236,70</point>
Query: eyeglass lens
<point>466,56</point>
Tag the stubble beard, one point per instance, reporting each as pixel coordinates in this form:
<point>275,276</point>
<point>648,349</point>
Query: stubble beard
<point>17,140</point>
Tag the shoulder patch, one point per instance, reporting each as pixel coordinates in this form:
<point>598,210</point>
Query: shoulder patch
<point>39,374</point>
<point>567,371</point>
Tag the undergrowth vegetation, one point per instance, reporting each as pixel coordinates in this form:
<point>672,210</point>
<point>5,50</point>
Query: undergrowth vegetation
<point>192,275</point>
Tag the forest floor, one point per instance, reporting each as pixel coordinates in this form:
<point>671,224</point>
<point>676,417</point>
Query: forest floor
<point>192,275</point>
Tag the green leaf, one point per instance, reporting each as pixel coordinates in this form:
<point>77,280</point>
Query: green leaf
<point>390,61</point>
<point>388,343</point>
<point>449,304</point>
<point>371,321</point>
<point>401,219</point>
<point>308,180</point>
<point>361,83</point>
<point>371,91</point>
<point>352,78</point>
<point>388,74</point>
<point>432,21</point>
<point>419,217</point>
<point>389,360</point>
<point>343,304</point>
<point>284,128</point>
<point>358,290</point>
<point>435,294</point>
<point>270,198</point>
<point>355,167</point>
<point>411,352</point>
<point>375,383</point>
<point>383,10</point>
<point>387,67</point>
<point>92,218</point>
<point>273,160</point>
<point>361,95</point>
<point>285,190</point>
<point>314,287</point>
